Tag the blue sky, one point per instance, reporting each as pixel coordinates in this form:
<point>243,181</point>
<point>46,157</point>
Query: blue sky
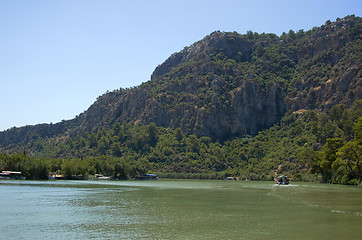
<point>58,56</point>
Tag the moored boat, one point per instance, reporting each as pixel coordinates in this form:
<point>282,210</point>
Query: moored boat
<point>101,177</point>
<point>11,175</point>
<point>148,177</point>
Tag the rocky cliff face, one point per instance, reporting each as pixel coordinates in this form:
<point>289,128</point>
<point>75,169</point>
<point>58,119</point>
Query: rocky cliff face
<point>230,85</point>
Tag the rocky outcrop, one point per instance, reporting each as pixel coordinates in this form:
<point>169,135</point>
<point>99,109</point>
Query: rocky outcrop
<point>232,45</point>
<point>251,109</point>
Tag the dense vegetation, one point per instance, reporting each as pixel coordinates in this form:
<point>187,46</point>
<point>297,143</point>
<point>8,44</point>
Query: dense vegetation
<point>252,105</point>
<point>306,145</point>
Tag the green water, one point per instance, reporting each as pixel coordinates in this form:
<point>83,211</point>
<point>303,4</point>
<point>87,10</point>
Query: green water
<point>178,210</point>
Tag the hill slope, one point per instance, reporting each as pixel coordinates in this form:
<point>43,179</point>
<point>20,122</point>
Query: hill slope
<point>230,85</point>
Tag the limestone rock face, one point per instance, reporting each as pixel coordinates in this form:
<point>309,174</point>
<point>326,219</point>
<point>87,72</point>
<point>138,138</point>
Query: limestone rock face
<point>251,110</point>
<point>255,109</point>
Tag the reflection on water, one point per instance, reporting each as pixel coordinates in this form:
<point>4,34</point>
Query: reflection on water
<point>178,210</point>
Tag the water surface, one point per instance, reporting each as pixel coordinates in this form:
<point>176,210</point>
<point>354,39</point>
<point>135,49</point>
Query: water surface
<point>178,210</point>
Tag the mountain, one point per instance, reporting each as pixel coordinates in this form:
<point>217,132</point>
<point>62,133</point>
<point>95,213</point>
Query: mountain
<point>229,85</point>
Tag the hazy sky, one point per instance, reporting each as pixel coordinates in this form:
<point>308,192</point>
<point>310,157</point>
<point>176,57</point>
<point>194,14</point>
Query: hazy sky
<point>58,56</point>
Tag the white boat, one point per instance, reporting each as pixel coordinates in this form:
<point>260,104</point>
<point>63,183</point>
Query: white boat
<point>101,177</point>
<point>11,175</point>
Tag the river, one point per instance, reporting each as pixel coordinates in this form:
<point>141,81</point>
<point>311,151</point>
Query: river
<point>178,209</point>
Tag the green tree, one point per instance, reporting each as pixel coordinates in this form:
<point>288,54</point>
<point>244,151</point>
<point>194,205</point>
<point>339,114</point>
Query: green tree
<point>152,134</point>
<point>357,130</point>
<point>102,148</point>
<point>347,166</point>
<point>328,156</point>
<point>92,140</point>
<point>116,150</point>
<point>179,135</point>
<point>116,128</point>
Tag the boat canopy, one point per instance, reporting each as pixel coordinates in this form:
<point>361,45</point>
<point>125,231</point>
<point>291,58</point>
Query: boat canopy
<point>150,175</point>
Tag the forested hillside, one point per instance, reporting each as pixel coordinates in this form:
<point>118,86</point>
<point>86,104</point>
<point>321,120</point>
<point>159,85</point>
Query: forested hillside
<point>252,105</point>
<point>305,145</point>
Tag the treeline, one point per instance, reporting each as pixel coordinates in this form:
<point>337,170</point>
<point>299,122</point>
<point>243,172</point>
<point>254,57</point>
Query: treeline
<point>72,168</point>
<point>340,159</point>
<point>306,145</point>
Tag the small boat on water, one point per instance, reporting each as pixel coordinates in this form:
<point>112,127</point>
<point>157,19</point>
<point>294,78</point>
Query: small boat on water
<point>101,177</point>
<point>283,180</point>
<point>55,176</point>
<point>148,177</point>
<point>11,175</point>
